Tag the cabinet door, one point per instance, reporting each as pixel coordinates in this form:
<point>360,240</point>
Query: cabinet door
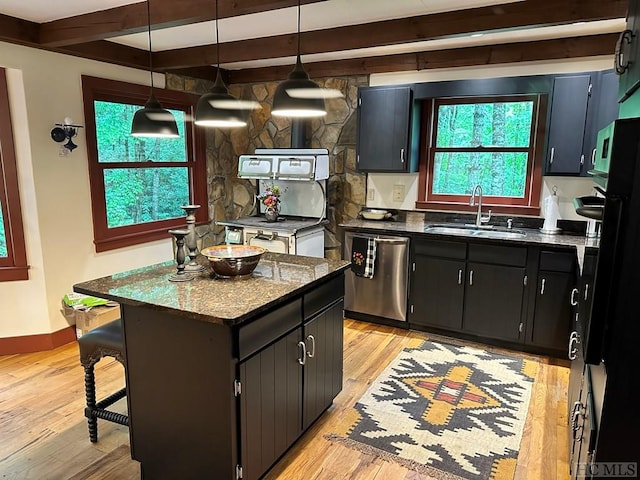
<point>566,126</point>
<point>437,292</point>
<point>271,404</point>
<point>383,129</point>
<point>630,79</point>
<point>323,336</point>
<point>552,318</point>
<point>493,301</point>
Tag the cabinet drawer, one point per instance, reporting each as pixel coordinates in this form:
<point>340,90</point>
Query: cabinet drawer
<point>264,330</point>
<point>557,261</point>
<point>439,248</point>
<point>498,254</point>
<point>323,296</point>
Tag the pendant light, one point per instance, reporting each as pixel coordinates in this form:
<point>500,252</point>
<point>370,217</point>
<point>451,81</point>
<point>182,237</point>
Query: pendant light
<point>219,108</point>
<point>286,101</point>
<point>153,120</point>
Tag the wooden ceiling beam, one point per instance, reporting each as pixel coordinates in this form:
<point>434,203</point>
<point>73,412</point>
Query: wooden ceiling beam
<point>118,21</point>
<point>518,15</point>
<point>16,30</point>
<point>574,47</point>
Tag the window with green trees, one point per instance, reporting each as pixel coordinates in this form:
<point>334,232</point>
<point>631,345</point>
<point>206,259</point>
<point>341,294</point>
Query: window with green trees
<point>483,141</point>
<point>13,253</point>
<point>139,183</point>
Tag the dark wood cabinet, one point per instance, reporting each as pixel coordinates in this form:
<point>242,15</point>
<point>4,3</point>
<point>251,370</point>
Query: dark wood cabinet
<point>437,287</point>
<point>386,122</point>
<point>493,301</point>
<point>323,335</point>
<point>569,102</point>
<point>552,316</point>
<point>628,59</point>
<point>271,404</point>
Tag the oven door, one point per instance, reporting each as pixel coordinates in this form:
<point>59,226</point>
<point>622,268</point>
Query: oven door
<point>276,242</point>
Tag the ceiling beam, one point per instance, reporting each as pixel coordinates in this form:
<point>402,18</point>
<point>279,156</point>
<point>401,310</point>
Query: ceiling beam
<point>128,19</point>
<point>518,15</point>
<point>16,30</point>
<point>575,47</point>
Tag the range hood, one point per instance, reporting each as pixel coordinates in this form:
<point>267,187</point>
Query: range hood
<point>302,164</point>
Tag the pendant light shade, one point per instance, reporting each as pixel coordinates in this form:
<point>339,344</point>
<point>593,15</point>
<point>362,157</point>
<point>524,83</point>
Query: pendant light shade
<point>287,105</point>
<point>214,109</point>
<point>153,120</point>
<point>219,108</point>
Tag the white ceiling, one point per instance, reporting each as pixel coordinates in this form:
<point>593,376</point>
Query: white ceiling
<point>331,13</point>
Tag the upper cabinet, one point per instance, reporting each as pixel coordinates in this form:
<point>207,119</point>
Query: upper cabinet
<point>387,120</point>
<point>580,105</point>
<point>627,57</point>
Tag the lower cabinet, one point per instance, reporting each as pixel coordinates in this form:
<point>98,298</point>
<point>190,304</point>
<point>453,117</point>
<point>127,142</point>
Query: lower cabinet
<point>487,290</point>
<point>288,383</point>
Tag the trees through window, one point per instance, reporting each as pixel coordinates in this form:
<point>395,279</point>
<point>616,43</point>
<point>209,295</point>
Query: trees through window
<point>137,183</point>
<point>490,142</point>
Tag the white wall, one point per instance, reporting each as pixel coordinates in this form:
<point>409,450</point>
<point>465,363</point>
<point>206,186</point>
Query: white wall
<point>380,185</point>
<point>44,88</point>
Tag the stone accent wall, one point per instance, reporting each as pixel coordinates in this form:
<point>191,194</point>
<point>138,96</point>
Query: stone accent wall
<point>231,197</point>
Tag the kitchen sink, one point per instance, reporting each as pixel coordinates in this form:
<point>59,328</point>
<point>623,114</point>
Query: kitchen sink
<point>489,231</point>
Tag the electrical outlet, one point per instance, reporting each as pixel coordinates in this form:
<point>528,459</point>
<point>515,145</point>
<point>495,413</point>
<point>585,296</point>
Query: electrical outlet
<point>371,194</point>
<point>398,193</point>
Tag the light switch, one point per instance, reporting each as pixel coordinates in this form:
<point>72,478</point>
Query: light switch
<point>398,193</point>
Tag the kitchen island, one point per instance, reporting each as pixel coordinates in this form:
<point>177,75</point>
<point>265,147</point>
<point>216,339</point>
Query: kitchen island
<point>224,375</point>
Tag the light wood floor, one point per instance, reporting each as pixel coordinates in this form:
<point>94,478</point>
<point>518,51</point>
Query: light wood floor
<point>43,434</point>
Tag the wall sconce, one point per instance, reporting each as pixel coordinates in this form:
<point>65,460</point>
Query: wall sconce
<point>65,131</point>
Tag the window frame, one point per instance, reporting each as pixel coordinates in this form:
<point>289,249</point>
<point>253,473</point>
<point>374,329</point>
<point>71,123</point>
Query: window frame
<point>14,266</point>
<point>99,89</point>
<point>529,205</point>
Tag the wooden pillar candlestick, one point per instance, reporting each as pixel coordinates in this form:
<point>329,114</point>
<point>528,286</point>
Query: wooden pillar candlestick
<point>191,240</point>
<point>180,275</point>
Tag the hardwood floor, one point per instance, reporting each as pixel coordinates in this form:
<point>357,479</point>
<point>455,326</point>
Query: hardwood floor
<point>44,434</point>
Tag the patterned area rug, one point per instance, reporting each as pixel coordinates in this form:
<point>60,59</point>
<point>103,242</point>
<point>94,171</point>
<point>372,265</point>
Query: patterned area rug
<point>447,411</point>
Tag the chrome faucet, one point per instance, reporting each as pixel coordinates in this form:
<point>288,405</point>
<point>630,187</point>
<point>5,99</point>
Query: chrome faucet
<point>472,201</point>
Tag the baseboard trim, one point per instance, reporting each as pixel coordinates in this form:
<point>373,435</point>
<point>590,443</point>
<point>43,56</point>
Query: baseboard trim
<point>37,343</point>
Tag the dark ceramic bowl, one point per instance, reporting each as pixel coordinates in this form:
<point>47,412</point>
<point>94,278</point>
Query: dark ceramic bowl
<point>233,260</point>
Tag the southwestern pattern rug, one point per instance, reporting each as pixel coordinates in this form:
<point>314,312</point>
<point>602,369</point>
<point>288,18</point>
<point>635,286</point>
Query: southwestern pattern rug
<point>447,411</point>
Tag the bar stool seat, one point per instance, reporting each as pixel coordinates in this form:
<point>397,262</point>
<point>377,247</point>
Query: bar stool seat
<point>104,341</point>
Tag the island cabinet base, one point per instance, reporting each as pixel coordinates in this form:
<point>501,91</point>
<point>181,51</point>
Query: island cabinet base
<point>208,400</point>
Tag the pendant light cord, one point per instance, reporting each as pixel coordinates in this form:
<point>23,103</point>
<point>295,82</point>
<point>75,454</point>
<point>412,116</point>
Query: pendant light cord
<point>217,38</point>
<point>150,51</point>
<point>298,28</point>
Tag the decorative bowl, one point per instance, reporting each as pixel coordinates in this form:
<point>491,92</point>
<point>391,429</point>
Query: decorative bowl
<point>233,260</point>
<point>373,214</point>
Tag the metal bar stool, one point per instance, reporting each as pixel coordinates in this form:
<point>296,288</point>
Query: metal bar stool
<point>104,341</point>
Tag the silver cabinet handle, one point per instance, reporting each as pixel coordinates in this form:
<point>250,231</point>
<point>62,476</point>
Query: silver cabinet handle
<point>303,357</point>
<point>586,291</point>
<point>544,281</point>
<point>575,415</point>
<point>573,350</point>
<point>460,277</point>
<point>582,159</point>
<point>553,151</point>
<point>593,157</point>
<point>402,155</point>
<point>470,277</point>
<point>311,352</point>
<point>574,302</point>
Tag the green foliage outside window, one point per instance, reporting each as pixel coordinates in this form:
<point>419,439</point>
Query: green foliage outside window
<point>137,195</point>
<point>482,143</point>
<point>3,237</point>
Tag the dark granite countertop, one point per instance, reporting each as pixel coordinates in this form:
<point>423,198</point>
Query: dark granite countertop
<point>277,278</point>
<point>533,236</point>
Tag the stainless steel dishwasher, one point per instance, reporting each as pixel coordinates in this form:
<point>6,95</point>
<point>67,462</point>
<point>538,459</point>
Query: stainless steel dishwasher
<point>384,295</point>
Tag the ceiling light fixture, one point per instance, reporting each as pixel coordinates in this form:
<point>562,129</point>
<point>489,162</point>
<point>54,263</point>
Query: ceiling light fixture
<point>153,120</point>
<point>287,102</point>
<point>219,108</point>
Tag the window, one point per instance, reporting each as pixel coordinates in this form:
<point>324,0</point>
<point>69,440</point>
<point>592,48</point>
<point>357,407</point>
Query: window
<point>13,255</point>
<point>138,184</point>
<point>487,141</point>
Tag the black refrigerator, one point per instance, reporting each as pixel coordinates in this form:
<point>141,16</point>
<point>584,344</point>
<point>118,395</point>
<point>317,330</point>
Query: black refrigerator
<point>605,421</point>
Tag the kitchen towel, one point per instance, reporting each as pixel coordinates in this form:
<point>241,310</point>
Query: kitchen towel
<point>363,256</point>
